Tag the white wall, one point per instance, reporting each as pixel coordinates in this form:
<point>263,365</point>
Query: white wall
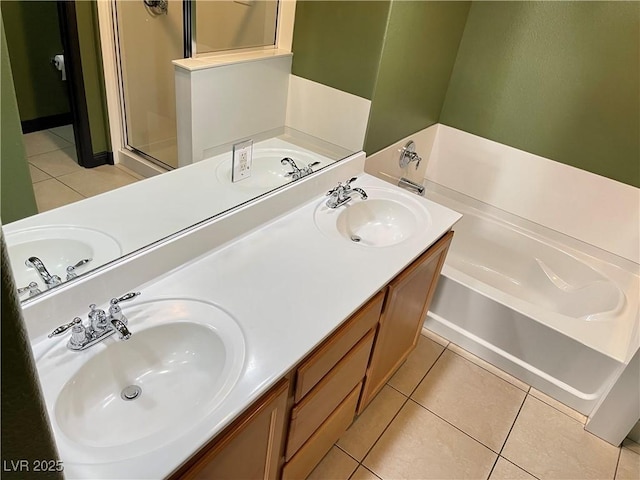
<point>227,99</point>
<point>597,210</point>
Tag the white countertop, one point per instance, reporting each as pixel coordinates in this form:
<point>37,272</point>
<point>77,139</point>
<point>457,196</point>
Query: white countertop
<point>288,286</point>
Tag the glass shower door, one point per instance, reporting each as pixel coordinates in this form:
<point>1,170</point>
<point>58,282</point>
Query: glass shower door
<point>149,38</point>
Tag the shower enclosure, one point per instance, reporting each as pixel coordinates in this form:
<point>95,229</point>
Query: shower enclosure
<point>149,34</point>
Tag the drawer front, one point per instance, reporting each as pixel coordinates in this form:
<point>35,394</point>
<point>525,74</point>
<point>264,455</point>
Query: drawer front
<point>303,462</point>
<point>328,354</point>
<point>314,409</point>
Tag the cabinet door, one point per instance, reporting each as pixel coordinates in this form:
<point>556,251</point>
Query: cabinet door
<point>406,304</point>
<point>252,448</point>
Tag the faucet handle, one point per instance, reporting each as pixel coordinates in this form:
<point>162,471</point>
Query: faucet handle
<point>78,335</point>
<point>335,189</point>
<point>348,184</point>
<point>124,298</point>
<point>32,288</point>
<point>63,328</point>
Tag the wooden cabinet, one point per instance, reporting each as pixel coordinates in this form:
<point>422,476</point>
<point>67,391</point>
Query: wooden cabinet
<point>407,300</point>
<point>338,379</point>
<point>251,448</point>
<point>327,389</point>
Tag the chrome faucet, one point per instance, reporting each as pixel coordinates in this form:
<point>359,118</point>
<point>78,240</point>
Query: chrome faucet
<point>408,154</point>
<point>32,288</point>
<point>297,173</point>
<point>341,194</point>
<point>48,279</point>
<point>71,269</point>
<point>101,325</point>
<point>411,185</point>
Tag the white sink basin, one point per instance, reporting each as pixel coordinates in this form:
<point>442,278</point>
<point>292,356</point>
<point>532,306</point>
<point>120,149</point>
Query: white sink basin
<point>266,170</point>
<point>59,247</point>
<point>182,360</point>
<point>386,218</point>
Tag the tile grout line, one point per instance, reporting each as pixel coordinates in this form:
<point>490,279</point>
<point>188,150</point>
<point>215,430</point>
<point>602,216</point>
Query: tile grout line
<point>489,371</point>
<point>615,471</point>
<point>557,409</point>
<point>60,136</point>
<point>407,398</point>
<point>495,462</point>
<point>528,391</point>
<point>513,425</point>
<point>70,188</point>
<point>454,426</point>
<point>508,434</point>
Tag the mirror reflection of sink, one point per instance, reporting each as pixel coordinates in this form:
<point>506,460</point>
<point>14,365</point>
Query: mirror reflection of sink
<point>386,218</point>
<point>266,170</point>
<point>59,247</point>
<point>126,398</point>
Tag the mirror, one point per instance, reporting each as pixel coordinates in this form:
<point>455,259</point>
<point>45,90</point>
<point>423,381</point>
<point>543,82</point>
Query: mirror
<point>56,246</point>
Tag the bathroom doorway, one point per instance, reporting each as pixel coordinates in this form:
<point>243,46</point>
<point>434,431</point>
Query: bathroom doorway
<point>43,41</point>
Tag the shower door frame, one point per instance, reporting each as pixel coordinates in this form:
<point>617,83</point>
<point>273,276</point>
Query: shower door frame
<point>114,87</point>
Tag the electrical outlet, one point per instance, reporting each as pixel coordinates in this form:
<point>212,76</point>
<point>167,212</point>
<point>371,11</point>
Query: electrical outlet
<point>241,167</point>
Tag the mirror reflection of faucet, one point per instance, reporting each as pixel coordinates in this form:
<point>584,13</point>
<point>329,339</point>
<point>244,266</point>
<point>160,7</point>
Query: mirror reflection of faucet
<point>47,278</point>
<point>101,325</point>
<point>71,269</point>
<point>297,173</point>
<point>32,288</point>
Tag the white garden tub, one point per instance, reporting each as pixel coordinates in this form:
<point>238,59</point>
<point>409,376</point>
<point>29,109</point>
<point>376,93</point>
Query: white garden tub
<point>559,314</point>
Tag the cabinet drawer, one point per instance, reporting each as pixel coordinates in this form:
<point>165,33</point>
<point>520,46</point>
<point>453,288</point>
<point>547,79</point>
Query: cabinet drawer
<point>303,462</point>
<point>328,354</point>
<point>314,409</point>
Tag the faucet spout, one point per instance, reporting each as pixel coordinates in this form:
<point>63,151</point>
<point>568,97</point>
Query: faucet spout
<point>362,193</point>
<point>48,279</point>
<point>121,328</point>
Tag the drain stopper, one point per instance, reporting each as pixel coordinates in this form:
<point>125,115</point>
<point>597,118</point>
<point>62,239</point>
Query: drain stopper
<point>131,392</point>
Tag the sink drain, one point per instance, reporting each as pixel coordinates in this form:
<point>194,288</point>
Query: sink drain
<point>355,238</point>
<point>131,392</point>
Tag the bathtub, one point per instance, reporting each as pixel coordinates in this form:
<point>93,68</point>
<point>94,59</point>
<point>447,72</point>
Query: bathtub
<point>554,312</point>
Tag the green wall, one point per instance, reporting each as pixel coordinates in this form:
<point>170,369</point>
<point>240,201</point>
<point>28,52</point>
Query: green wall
<point>557,79</point>
<point>417,59</point>
<point>339,44</point>
<point>93,75</point>
<point>33,38</point>
<point>16,191</point>
<point>398,54</point>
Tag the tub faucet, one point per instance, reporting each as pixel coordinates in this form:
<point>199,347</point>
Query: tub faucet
<point>101,325</point>
<point>411,185</point>
<point>408,154</point>
<point>341,194</point>
<point>48,279</point>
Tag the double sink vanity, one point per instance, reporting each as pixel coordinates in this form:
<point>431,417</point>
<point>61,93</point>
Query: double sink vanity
<point>257,338</point>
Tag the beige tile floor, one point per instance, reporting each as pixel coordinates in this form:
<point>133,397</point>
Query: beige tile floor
<point>449,414</point>
<point>56,176</point>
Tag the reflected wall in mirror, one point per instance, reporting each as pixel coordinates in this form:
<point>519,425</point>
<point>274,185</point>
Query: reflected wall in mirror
<point>232,24</point>
<point>59,244</point>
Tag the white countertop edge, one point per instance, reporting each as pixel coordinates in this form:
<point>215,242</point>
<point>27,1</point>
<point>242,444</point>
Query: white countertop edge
<point>221,59</point>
